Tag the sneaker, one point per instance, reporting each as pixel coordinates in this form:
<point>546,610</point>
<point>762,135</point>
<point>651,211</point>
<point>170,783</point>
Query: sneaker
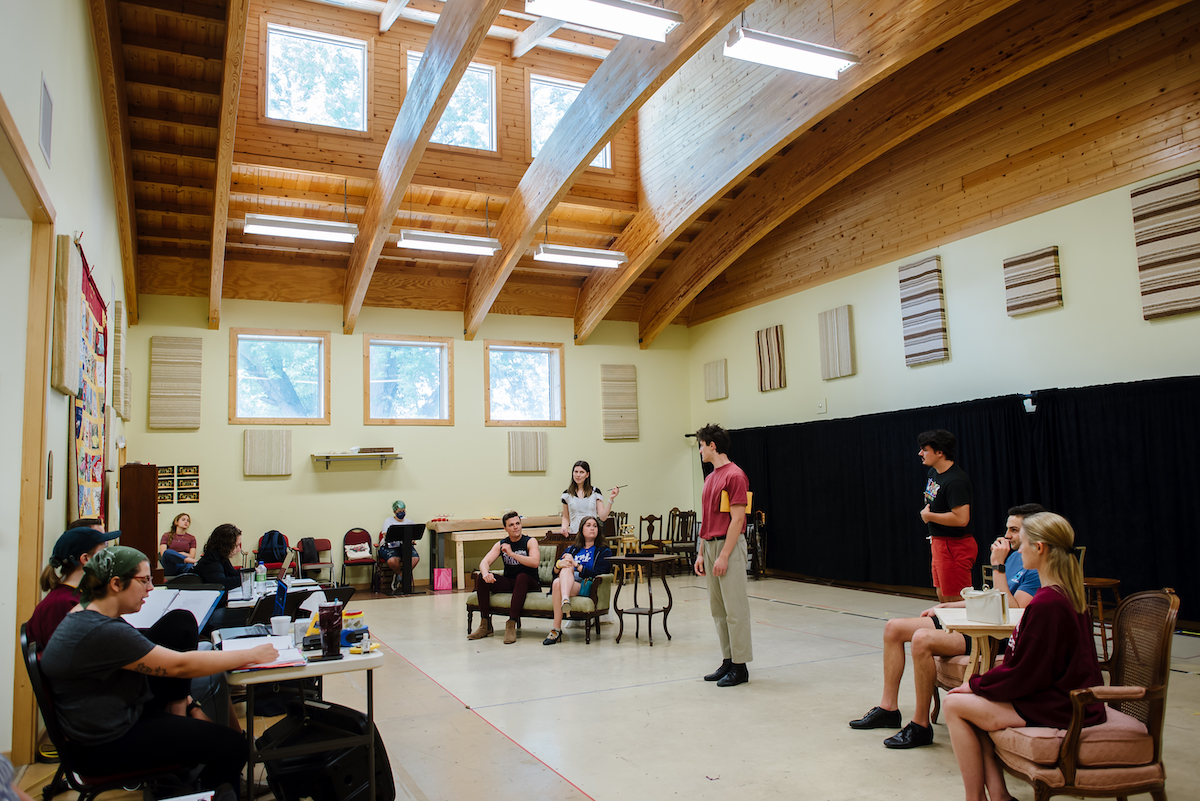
<point>553,638</point>
<point>719,673</point>
<point>913,735</point>
<point>484,630</point>
<point>395,583</point>
<point>738,674</point>
<point>510,632</point>
<point>878,718</point>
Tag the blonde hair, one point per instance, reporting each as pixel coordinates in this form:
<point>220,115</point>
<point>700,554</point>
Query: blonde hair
<point>1060,561</point>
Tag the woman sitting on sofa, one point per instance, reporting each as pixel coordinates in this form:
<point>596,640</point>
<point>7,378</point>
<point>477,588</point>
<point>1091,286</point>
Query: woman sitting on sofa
<point>1051,653</point>
<point>582,562</point>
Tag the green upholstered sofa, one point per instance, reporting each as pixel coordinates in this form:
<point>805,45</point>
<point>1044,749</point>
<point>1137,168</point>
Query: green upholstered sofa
<point>585,608</point>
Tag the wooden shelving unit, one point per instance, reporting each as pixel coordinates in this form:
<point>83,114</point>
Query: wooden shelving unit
<point>335,458</point>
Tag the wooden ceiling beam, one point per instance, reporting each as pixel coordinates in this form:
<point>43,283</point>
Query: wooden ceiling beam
<point>390,13</point>
<point>459,32</point>
<point>184,86</point>
<point>231,87</point>
<point>630,74</point>
<point>181,9</point>
<point>106,37</point>
<point>534,35</point>
<point>991,56</point>
<point>774,116</point>
<point>162,115</point>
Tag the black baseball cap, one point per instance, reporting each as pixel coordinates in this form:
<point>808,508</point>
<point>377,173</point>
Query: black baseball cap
<point>76,541</point>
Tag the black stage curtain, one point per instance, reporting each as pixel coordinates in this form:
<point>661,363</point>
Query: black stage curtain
<point>843,497</point>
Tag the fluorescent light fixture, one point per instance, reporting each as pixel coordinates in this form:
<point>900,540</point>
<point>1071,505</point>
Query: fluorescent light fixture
<point>300,228</point>
<point>619,16</point>
<point>588,257</point>
<point>447,243</point>
<point>786,53</point>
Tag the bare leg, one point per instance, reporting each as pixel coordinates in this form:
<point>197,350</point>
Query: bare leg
<point>564,587</point>
<point>394,564</point>
<point>926,644</point>
<point>945,599</point>
<point>969,718</point>
<point>895,634</point>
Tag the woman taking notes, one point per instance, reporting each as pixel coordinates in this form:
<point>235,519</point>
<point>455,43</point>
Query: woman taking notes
<point>581,562</point>
<point>581,499</point>
<point>1051,653</point>
<point>120,697</point>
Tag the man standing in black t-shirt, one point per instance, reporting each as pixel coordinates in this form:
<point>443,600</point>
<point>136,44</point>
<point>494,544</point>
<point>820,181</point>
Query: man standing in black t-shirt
<point>948,513</point>
<point>521,557</point>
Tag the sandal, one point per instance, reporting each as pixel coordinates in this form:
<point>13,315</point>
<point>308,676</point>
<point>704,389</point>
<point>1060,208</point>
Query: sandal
<point>553,638</point>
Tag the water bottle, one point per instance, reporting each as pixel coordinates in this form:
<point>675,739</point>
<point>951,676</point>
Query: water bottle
<point>260,572</point>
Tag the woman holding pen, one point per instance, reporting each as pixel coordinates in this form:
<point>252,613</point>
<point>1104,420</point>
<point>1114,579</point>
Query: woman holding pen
<point>580,499</point>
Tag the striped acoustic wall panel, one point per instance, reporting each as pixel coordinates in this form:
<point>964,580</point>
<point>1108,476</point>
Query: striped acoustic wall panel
<point>175,382</point>
<point>837,354</point>
<point>1166,227</point>
<point>771,373</point>
<point>526,451</point>
<point>68,317</point>
<point>716,380</point>
<point>127,401</point>
<point>923,312</point>
<point>120,391</point>
<point>1032,282</point>
<point>618,401</point>
<point>267,452</point>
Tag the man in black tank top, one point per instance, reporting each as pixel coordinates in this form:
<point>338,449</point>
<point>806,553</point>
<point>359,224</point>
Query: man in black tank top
<point>521,557</point>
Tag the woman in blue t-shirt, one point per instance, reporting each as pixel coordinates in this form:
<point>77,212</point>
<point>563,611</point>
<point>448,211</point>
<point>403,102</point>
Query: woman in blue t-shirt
<point>580,563</point>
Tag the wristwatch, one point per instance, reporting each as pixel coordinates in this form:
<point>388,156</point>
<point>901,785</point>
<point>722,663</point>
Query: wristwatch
<point>1000,568</point>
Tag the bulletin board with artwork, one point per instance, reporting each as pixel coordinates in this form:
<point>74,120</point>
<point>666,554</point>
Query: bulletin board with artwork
<point>86,474</point>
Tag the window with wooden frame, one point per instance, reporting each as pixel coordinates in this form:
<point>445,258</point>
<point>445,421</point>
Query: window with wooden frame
<point>549,99</point>
<point>469,120</point>
<point>523,384</point>
<point>315,79</point>
<point>408,380</point>
<point>278,376</point>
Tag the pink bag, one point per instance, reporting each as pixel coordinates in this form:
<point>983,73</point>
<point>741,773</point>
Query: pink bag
<point>441,579</point>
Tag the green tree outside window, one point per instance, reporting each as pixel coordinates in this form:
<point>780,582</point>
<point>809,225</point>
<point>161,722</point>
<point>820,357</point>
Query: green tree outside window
<point>316,79</point>
<point>280,377</point>
<point>549,99</point>
<point>407,381</point>
<point>470,119</point>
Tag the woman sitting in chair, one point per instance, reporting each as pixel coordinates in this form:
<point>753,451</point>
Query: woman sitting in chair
<point>581,563</point>
<point>60,579</point>
<point>216,567</point>
<point>1051,653</point>
<point>120,697</point>
<point>177,548</point>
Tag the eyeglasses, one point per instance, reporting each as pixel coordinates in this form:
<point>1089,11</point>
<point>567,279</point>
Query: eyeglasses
<point>147,581</point>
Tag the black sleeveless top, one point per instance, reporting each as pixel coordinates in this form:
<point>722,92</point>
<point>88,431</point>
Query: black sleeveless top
<point>513,568</point>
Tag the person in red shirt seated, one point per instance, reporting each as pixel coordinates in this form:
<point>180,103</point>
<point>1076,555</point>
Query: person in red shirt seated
<point>1051,653</point>
<point>177,548</point>
<point>60,580</point>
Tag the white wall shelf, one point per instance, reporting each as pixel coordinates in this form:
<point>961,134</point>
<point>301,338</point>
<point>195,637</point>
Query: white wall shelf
<point>335,458</point>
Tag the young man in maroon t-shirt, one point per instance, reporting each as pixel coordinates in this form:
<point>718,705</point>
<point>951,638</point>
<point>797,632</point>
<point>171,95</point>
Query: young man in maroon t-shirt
<point>722,556</point>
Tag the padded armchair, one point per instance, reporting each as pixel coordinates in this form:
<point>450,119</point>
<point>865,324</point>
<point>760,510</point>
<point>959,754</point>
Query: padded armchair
<point>1122,756</point>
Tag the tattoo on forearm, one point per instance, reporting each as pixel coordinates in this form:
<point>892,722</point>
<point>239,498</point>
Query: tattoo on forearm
<point>142,667</point>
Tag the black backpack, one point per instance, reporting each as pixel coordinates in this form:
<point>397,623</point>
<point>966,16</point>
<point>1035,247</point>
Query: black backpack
<point>308,551</point>
<point>272,548</point>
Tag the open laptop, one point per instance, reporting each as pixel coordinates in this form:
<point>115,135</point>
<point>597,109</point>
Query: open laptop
<point>287,564</point>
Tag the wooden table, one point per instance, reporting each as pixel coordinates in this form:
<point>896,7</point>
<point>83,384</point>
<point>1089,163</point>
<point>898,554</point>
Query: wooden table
<point>349,662</point>
<point>485,528</point>
<point>657,561</point>
<point>983,636</point>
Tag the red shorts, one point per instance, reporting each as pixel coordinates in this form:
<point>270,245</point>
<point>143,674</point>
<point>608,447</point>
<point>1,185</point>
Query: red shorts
<point>953,559</point>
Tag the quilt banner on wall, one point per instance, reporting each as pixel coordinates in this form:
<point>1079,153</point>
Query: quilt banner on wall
<point>87,473</point>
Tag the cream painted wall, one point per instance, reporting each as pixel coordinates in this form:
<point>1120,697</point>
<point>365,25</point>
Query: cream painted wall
<point>1097,337</point>
<point>460,469</point>
<point>53,38</point>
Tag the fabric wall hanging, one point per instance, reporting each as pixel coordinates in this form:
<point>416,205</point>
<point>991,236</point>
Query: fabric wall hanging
<point>618,401</point>
<point>175,382</point>
<point>1032,282</point>
<point>526,451</point>
<point>85,480</point>
<point>923,312</point>
<point>716,376</point>
<point>771,374</point>
<point>1166,228</point>
<point>837,353</point>
<point>120,392</point>
<point>68,318</point>
<point>265,453</point>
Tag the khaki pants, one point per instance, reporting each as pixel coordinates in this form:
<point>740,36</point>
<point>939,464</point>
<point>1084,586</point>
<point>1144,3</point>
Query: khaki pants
<point>728,602</point>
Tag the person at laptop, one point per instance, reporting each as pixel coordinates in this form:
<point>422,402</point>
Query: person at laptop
<point>216,567</point>
<point>391,548</point>
<point>119,693</point>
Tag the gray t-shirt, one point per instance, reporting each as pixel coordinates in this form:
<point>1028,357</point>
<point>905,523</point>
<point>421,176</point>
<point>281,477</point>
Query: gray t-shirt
<point>97,701</point>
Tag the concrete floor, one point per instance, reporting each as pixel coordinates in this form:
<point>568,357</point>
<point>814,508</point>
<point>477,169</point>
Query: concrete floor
<point>466,720</point>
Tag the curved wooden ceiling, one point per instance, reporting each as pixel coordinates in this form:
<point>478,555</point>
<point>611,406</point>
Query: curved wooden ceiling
<point>732,184</point>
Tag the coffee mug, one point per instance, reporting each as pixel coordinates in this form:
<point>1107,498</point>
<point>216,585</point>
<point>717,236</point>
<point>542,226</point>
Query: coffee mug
<point>281,625</point>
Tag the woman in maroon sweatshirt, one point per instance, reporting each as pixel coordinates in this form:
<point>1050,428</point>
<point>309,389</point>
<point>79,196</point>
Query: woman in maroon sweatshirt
<point>1050,653</point>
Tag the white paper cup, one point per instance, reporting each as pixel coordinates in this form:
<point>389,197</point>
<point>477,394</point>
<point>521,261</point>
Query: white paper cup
<point>280,624</point>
